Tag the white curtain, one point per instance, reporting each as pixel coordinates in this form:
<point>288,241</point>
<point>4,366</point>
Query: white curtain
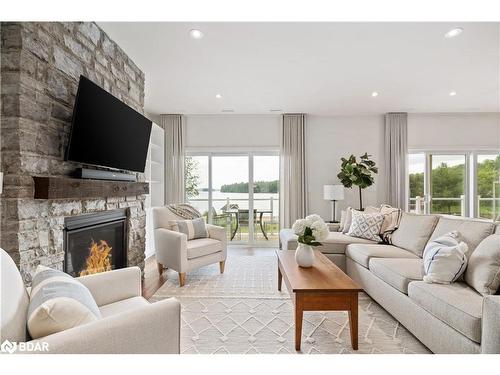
<point>293,180</point>
<point>174,158</point>
<point>396,154</point>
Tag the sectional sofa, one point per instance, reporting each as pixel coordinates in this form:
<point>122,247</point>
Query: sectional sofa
<point>446,318</point>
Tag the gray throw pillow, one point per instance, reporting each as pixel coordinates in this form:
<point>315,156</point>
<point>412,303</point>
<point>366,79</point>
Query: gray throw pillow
<point>483,272</point>
<point>193,229</point>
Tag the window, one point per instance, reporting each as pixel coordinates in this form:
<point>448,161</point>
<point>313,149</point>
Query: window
<point>488,186</point>
<point>416,168</point>
<point>447,185</point>
<point>460,184</point>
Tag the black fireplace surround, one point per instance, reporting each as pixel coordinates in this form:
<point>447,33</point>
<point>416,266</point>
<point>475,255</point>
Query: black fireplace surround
<point>95,243</point>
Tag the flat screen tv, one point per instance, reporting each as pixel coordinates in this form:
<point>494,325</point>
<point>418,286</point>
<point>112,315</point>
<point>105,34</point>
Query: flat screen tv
<point>107,132</point>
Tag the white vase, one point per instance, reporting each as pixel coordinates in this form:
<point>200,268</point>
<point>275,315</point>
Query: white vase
<point>304,255</point>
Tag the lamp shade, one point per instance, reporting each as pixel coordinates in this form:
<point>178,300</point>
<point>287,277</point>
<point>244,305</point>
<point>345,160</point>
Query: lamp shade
<point>333,192</point>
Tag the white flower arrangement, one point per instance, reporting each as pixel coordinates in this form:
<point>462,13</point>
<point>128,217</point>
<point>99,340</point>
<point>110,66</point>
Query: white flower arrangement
<point>310,230</point>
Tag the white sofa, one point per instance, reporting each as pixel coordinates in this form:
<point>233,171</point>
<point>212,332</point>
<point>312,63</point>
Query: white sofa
<point>173,250</point>
<point>129,323</point>
<point>446,318</point>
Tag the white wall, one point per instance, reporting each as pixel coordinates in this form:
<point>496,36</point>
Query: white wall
<point>449,131</point>
<point>329,139</point>
<point>232,131</point>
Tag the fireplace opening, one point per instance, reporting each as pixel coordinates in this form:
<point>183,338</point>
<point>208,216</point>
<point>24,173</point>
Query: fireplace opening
<point>95,243</point>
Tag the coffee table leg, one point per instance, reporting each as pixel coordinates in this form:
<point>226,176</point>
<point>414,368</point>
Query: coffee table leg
<point>280,278</point>
<point>353,321</point>
<point>298,322</point>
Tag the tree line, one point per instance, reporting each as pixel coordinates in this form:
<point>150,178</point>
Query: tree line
<point>259,187</point>
<point>448,182</point>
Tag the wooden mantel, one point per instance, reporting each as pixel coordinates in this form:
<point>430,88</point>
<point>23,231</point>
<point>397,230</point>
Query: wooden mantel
<point>66,188</point>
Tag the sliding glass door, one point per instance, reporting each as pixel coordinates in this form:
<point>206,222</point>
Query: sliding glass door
<point>239,191</point>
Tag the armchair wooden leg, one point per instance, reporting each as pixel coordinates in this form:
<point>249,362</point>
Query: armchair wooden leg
<point>221,265</point>
<point>160,268</point>
<point>182,278</point>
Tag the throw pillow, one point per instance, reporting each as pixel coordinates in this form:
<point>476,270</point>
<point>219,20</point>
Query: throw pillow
<point>366,225</point>
<point>193,229</point>
<point>392,217</point>
<point>58,302</point>
<point>342,220</point>
<point>483,271</point>
<point>347,221</point>
<point>348,216</point>
<point>444,259</point>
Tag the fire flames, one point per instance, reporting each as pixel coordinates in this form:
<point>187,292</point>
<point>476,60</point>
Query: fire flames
<point>99,258</point>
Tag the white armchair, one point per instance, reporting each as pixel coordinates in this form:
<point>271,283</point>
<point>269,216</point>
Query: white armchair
<point>173,250</point>
<point>129,323</point>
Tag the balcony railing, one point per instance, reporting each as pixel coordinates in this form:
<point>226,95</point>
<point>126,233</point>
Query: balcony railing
<point>270,219</point>
<point>489,211</point>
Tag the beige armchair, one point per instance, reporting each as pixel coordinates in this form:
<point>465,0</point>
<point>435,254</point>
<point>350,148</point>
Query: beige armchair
<point>173,250</point>
<point>129,323</point>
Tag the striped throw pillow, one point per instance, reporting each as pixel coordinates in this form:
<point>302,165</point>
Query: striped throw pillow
<point>58,302</point>
<point>193,229</point>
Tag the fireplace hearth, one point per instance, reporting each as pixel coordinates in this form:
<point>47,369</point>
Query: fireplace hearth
<point>95,243</point>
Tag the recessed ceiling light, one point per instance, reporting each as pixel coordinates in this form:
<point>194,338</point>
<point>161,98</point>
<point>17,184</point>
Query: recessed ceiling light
<point>374,94</point>
<point>453,93</point>
<point>228,110</point>
<point>275,110</point>
<point>195,34</point>
<point>218,96</point>
<point>454,32</point>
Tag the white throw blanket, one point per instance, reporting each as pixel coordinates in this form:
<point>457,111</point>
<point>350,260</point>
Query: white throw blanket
<point>444,259</point>
<point>185,211</point>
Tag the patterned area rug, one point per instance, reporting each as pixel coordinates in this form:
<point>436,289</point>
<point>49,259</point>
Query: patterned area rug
<point>242,311</point>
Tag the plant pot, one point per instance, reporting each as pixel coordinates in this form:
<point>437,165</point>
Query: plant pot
<point>304,255</point>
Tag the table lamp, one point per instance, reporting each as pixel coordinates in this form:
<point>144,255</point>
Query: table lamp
<point>333,193</point>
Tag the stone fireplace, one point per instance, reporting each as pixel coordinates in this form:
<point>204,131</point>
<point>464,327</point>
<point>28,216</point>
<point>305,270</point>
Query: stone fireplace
<point>41,66</point>
<point>95,243</point>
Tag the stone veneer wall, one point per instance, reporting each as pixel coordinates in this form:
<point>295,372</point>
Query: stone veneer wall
<point>40,67</point>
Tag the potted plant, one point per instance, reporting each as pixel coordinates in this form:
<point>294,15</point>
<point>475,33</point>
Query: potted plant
<point>310,231</point>
<point>354,173</point>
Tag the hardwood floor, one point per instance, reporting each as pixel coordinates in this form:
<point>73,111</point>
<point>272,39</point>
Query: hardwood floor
<point>152,281</point>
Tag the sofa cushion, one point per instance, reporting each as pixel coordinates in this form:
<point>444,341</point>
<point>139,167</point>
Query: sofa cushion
<point>456,304</point>
<point>397,272</point>
<point>336,243</point>
<point>472,232</point>
<point>202,246</point>
<point>122,306</point>
<point>414,231</point>
<point>362,253</point>
<point>483,271</point>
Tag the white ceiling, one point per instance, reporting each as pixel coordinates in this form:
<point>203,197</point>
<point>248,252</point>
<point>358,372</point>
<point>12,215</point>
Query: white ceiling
<point>316,68</point>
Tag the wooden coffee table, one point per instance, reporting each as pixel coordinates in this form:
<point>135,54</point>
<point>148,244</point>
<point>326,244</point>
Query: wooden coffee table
<point>322,287</point>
